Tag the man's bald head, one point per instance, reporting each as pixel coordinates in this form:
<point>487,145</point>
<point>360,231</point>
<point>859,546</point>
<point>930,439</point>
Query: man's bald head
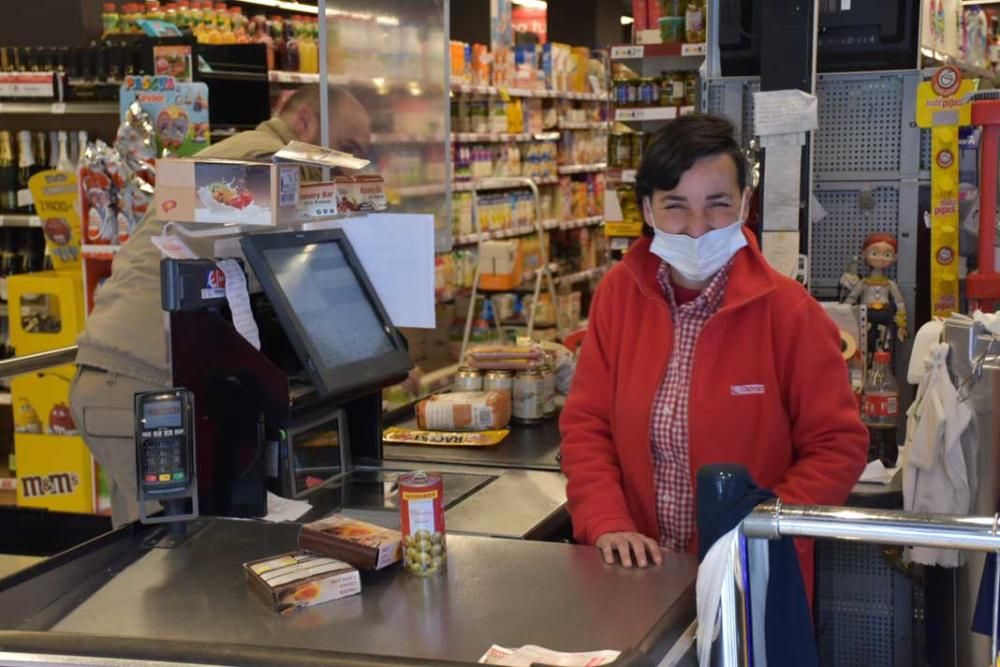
<point>350,126</point>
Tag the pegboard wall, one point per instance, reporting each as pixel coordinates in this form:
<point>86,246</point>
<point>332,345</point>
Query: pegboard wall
<point>864,607</point>
<point>867,139</point>
<point>866,122</point>
<point>838,237</point>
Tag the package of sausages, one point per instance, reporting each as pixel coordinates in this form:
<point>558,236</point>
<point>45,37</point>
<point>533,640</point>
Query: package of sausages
<point>464,411</point>
<point>505,357</point>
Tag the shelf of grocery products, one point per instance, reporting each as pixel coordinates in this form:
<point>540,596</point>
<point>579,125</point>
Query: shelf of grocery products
<point>466,186</point>
<point>100,251</point>
<point>580,276</point>
<point>57,108</point>
<point>582,168</point>
<point>617,175</point>
<point>583,124</point>
<point>636,51</point>
<point>651,113</point>
<point>468,88</point>
<point>19,220</point>
<point>417,190</point>
<point>526,230</point>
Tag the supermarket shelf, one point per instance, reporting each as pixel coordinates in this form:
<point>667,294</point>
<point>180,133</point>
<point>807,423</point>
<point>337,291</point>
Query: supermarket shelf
<point>968,68</point>
<point>460,87</point>
<point>396,139</point>
<point>19,220</point>
<point>651,113</point>
<point>582,168</point>
<point>100,251</point>
<point>57,108</point>
<point>582,275</point>
<point>472,239</point>
<point>466,186</point>
<point>417,190</point>
<point>621,175</point>
<point>483,137</point>
<point>636,51</point>
<point>582,222</point>
<point>583,125</point>
<point>375,83</point>
<point>525,230</point>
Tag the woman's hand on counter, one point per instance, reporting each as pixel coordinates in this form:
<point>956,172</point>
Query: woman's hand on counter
<point>630,547</point>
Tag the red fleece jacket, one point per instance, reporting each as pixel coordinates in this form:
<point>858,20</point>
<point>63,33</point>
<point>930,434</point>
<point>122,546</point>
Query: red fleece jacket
<point>769,391</point>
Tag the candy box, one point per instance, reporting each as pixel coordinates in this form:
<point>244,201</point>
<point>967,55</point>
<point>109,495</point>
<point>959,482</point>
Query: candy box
<point>363,193</point>
<point>298,579</point>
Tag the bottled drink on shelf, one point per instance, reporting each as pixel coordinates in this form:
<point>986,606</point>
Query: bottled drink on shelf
<point>881,410</point>
<point>63,163</point>
<point>291,59</point>
<point>8,174</point>
<point>41,150</point>
<point>26,168</point>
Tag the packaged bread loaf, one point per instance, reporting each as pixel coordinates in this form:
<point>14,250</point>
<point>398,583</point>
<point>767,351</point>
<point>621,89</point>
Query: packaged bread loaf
<point>505,357</point>
<point>464,411</point>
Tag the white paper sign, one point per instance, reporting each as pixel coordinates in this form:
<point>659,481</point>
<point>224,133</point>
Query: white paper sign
<point>782,251</point>
<point>397,252</point>
<point>239,301</point>
<point>784,111</point>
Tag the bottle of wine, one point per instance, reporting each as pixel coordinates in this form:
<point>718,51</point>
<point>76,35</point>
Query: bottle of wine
<point>41,150</point>
<point>26,168</point>
<point>8,175</point>
<point>64,163</point>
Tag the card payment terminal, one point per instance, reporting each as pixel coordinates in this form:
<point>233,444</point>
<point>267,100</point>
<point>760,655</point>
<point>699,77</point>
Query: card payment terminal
<point>165,457</point>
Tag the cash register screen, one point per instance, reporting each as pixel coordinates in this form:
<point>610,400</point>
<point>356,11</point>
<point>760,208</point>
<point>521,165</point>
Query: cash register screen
<point>162,414</point>
<point>328,308</point>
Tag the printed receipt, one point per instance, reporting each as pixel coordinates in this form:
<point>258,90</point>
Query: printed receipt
<point>530,655</point>
<point>239,301</point>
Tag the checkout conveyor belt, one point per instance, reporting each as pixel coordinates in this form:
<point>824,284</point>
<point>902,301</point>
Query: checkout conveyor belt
<point>121,595</point>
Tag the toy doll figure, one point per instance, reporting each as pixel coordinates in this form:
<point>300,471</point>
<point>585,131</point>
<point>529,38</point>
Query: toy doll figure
<point>886,308</point>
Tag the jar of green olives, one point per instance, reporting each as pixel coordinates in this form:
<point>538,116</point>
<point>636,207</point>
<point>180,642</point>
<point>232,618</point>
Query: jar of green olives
<point>421,508</point>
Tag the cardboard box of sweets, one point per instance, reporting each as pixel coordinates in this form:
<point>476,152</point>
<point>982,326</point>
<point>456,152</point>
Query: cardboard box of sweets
<point>363,545</point>
<point>297,579</point>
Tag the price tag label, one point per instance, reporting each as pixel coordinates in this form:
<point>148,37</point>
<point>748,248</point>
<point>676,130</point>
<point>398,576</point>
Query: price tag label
<point>693,49</point>
<point>620,52</point>
<point>58,107</point>
<point>627,114</point>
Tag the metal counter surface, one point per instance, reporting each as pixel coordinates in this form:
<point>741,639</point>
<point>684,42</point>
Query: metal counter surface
<point>496,591</point>
<point>533,446</point>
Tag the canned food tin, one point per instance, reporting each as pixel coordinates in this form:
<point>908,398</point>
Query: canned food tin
<point>649,91</point>
<point>468,379</point>
<point>421,514</point>
<point>549,389</point>
<point>498,381</point>
<point>528,400</point>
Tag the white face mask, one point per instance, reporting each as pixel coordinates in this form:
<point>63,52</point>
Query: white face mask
<point>697,259</point>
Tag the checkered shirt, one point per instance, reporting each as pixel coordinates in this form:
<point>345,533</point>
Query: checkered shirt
<point>675,510</point>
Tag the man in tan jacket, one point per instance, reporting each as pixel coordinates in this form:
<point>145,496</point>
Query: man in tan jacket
<point>123,350</point>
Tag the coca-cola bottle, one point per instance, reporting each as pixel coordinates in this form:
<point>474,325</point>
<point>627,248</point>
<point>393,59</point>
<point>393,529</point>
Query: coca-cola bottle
<point>881,410</point>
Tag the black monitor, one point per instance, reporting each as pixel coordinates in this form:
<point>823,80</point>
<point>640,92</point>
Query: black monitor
<point>329,310</point>
<point>862,35</point>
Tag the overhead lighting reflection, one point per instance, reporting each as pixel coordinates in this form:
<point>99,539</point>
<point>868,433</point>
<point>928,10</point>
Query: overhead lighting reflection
<point>531,4</point>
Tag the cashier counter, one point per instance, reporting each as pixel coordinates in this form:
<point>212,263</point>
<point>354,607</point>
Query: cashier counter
<point>301,417</point>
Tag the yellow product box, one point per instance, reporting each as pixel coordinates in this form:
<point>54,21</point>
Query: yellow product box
<point>55,472</point>
<point>51,308</point>
<point>623,229</point>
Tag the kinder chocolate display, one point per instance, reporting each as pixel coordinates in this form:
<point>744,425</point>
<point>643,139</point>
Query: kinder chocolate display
<point>295,580</point>
<point>361,544</point>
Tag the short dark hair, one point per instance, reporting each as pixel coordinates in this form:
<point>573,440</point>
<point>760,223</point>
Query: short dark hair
<point>675,147</point>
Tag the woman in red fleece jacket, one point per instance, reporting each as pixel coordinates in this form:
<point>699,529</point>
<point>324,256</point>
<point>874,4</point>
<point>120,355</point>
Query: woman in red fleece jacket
<point>699,352</point>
